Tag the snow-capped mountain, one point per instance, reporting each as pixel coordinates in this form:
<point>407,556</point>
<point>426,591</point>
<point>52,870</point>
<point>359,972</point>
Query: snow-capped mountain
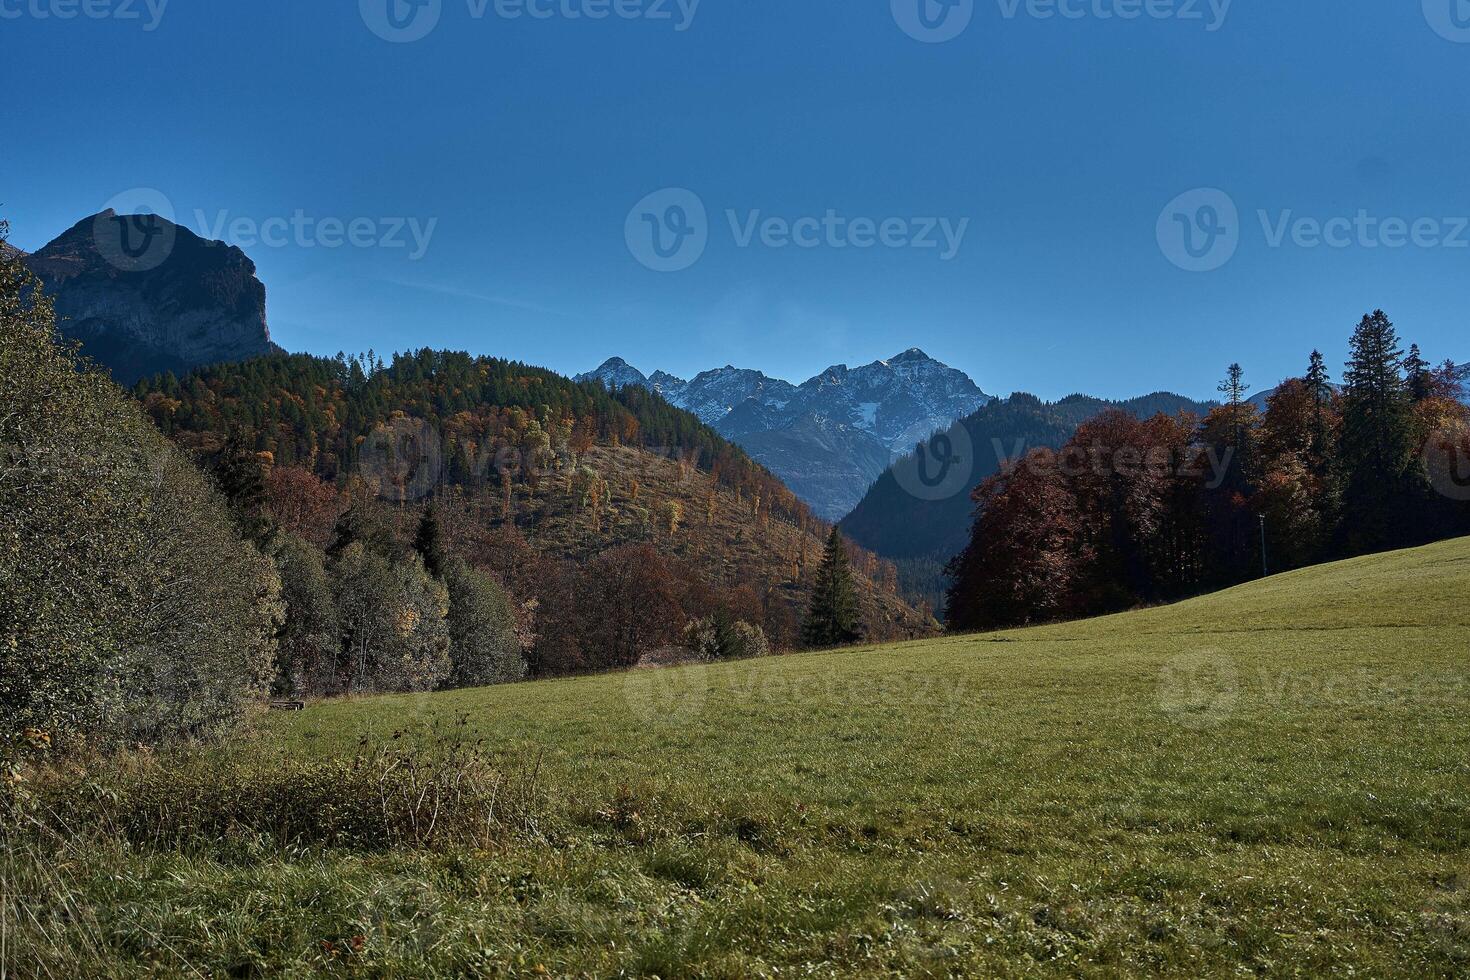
<point>829,437</point>
<point>616,373</point>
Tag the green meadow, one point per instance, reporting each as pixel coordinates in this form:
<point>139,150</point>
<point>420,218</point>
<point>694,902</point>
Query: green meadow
<point>1272,780</point>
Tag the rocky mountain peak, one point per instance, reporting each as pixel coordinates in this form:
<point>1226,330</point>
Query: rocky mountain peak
<point>144,295</point>
<point>615,373</point>
<point>831,436</point>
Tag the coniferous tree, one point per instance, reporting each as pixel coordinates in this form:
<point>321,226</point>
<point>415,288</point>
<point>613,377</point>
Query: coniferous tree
<point>1323,452</point>
<point>1234,389</point>
<point>1417,375</point>
<point>361,524</point>
<point>833,617</point>
<point>1377,439</point>
<point>1319,385</point>
<point>428,541</point>
<point>241,478</point>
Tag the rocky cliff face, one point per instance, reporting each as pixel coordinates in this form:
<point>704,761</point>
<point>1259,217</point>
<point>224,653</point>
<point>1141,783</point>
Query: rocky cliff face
<point>830,437</point>
<point>143,295</point>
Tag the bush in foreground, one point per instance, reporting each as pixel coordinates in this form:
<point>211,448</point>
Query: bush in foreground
<point>131,607</point>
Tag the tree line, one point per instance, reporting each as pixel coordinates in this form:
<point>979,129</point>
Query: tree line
<point>1134,510</point>
<point>322,413</point>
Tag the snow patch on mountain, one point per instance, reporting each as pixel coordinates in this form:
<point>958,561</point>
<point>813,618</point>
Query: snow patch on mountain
<point>615,373</point>
<point>868,415</point>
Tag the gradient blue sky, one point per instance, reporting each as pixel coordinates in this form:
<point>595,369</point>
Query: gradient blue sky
<point>530,140</point>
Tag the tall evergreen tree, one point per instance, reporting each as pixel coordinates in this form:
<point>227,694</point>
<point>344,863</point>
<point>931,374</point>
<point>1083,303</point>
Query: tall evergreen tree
<point>1417,375</point>
<point>1234,389</point>
<point>1377,438</point>
<point>1323,457</point>
<point>1319,384</point>
<point>833,618</point>
<point>240,476</point>
<point>428,541</point>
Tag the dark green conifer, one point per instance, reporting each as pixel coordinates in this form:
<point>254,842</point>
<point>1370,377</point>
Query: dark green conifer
<point>833,618</point>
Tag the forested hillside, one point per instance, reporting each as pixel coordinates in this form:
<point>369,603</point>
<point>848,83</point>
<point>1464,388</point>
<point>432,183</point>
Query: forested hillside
<point>488,415</point>
<point>1136,511</point>
<point>920,534</point>
<point>609,524</point>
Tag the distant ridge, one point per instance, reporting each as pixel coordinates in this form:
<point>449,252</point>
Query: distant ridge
<point>894,523</point>
<point>829,437</point>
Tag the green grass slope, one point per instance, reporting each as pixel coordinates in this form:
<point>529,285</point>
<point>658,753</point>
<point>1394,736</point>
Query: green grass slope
<point>1273,780</point>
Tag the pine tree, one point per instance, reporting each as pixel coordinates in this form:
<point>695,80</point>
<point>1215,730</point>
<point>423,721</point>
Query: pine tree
<point>833,617</point>
<point>1323,453</point>
<point>428,541</point>
<point>1234,388</point>
<point>241,478</point>
<point>1319,383</point>
<point>1418,376</point>
<point>1377,436</point>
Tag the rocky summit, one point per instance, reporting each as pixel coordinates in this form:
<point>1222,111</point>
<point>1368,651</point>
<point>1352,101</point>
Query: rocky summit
<point>829,437</point>
<point>143,295</point>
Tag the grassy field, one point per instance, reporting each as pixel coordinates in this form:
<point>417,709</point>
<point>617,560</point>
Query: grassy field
<point>1273,780</point>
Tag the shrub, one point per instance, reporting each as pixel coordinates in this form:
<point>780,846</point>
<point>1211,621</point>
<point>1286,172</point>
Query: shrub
<point>392,618</point>
<point>199,800</point>
<point>131,608</point>
<point>482,630</point>
<point>718,637</point>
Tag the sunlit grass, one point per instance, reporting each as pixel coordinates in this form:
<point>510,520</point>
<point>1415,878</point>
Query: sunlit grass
<point>1275,779</point>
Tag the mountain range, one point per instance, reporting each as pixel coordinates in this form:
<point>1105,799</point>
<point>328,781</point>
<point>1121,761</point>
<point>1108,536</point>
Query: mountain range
<point>829,437</point>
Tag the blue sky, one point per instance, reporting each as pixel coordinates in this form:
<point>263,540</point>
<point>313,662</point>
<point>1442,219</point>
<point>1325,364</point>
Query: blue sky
<point>527,142</point>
